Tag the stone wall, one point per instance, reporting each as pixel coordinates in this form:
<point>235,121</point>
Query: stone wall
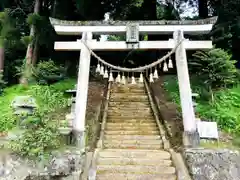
<point>205,164</point>
<point>61,166</point>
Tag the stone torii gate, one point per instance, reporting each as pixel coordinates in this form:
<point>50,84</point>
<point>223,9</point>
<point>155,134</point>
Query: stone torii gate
<point>177,28</point>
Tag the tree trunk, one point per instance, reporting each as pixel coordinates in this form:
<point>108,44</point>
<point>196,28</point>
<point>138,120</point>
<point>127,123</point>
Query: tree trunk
<point>35,53</point>
<point>203,8</point>
<point>29,53</point>
<point>30,48</point>
<point>32,33</point>
<point>36,43</point>
<point>149,9</point>
<point>54,9</point>
<point>2,58</point>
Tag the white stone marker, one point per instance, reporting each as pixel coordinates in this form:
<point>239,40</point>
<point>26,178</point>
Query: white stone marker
<point>207,130</point>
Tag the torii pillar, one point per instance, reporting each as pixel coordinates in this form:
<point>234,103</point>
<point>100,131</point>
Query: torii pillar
<point>82,93</point>
<point>190,134</point>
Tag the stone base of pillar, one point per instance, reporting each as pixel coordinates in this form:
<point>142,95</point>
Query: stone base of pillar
<point>191,139</point>
<point>79,137</point>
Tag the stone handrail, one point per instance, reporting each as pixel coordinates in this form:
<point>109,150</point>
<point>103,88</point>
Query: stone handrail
<point>104,118</point>
<point>93,169</point>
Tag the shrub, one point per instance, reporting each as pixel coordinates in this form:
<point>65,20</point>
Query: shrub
<point>47,72</point>
<point>224,110</point>
<point>50,99</point>
<point>214,68</point>
<point>41,135</point>
<point>39,138</point>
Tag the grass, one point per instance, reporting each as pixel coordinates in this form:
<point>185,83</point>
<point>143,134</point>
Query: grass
<point>224,108</point>
<point>217,145</point>
<point>50,100</point>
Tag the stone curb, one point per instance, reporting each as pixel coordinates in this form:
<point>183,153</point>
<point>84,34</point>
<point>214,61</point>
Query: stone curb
<point>87,164</point>
<point>166,143</point>
<point>89,155</point>
<point>182,171</point>
<point>100,141</point>
<point>92,169</point>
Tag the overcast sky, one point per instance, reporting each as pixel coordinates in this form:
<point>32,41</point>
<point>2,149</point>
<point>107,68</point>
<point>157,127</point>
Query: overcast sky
<point>188,11</point>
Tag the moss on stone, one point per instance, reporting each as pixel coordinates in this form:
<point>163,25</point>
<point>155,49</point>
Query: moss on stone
<point>211,20</point>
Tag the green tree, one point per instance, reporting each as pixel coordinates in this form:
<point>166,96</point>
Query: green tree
<point>214,68</point>
<point>29,53</point>
<point>6,30</point>
<point>226,31</point>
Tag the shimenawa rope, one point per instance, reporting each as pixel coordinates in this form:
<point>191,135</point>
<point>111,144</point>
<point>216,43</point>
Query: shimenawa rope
<point>138,69</point>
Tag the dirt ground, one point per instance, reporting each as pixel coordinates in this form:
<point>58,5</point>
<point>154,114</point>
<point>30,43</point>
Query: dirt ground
<point>96,94</point>
<point>169,113</point>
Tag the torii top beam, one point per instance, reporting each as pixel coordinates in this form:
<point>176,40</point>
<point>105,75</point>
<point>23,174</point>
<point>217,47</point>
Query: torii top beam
<point>63,27</point>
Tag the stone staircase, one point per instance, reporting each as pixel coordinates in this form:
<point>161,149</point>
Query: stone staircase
<point>132,147</point>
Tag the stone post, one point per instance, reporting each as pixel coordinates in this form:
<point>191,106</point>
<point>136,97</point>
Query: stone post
<point>190,135</point>
<point>82,93</point>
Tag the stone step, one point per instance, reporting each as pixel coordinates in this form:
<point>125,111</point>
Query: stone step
<point>126,108</point>
<point>132,176</point>
<point>131,146</point>
<point>133,137</point>
<point>130,99</point>
<point>135,153</point>
<point>144,103</point>
<point>128,87</point>
<point>129,104</point>
<point>130,95</point>
<point>132,132</point>
<point>128,84</point>
<point>131,128</point>
<point>130,111</point>
<point>120,94</point>
<point>130,116</point>
<point>130,120</point>
<point>121,90</point>
<point>133,141</point>
<point>133,106</point>
<point>134,161</point>
<point>135,169</point>
<point>126,124</point>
